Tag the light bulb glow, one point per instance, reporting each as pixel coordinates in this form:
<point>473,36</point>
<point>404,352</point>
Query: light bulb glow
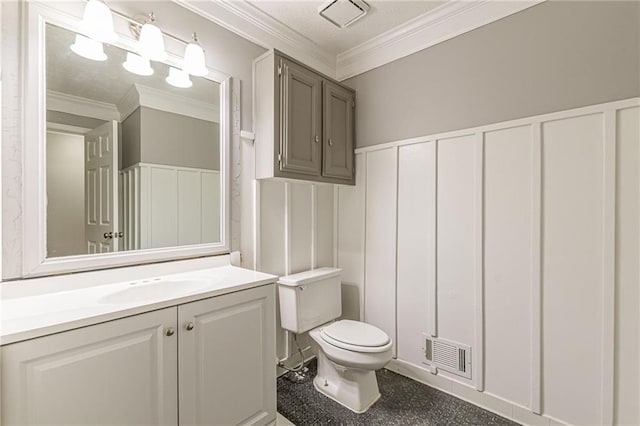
<point>178,78</point>
<point>194,62</point>
<point>151,43</point>
<point>97,22</point>
<point>138,65</point>
<point>88,48</point>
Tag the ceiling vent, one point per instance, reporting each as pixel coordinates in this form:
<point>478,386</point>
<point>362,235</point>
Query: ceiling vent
<point>343,13</point>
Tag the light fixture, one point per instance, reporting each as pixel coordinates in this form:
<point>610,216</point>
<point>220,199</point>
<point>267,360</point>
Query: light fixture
<point>151,43</point>
<point>178,78</point>
<point>136,64</point>
<point>88,48</point>
<point>97,22</point>
<point>194,63</point>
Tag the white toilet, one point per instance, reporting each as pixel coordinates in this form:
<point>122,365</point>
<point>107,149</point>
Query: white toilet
<point>348,351</point>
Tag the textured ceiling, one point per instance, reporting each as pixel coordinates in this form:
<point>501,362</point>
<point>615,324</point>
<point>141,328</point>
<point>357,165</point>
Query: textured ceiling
<point>302,16</point>
<point>107,81</point>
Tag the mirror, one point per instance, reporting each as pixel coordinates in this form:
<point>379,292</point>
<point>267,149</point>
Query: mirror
<point>132,162</point>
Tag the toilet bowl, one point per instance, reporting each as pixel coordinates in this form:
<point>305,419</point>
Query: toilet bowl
<point>348,351</point>
<point>348,354</point>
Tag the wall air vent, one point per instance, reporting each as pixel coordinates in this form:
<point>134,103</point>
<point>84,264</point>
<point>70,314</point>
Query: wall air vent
<point>343,13</point>
<point>449,356</point>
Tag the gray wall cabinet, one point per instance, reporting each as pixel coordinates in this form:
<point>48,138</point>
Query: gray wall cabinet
<point>304,123</point>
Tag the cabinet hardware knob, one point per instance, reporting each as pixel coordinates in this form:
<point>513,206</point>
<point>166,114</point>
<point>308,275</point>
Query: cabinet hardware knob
<point>170,331</point>
<point>330,142</point>
<point>317,138</point>
<point>189,326</point>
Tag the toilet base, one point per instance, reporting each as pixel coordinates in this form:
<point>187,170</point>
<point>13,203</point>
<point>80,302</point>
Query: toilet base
<point>353,388</point>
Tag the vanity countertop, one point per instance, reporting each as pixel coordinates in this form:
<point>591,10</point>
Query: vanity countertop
<point>35,315</point>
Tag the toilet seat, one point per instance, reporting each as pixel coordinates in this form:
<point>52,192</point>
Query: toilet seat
<point>356,336</point>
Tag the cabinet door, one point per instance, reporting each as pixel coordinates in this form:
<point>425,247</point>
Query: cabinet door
<point>300,119</point>
<point>122,372</point>
<point>227,359</point>
<point>338,131</point>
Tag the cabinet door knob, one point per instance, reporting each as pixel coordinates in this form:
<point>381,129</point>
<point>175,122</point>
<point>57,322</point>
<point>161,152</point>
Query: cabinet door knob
<point>317,138</point>
<point>189,326</point>
<point>330,142</point>
<point>170,331</point>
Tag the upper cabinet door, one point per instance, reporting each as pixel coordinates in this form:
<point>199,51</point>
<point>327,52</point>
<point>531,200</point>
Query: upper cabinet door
<point>338,131</point>
<point>300,119</point>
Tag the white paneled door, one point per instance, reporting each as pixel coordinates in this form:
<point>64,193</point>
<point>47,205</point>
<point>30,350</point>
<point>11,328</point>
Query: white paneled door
<point>100,186</point>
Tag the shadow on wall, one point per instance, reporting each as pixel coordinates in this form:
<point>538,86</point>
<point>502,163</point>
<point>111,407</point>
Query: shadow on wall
<point>351,301</point>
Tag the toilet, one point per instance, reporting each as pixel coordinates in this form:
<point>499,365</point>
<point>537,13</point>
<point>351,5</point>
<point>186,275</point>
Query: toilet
<point>348,352</point>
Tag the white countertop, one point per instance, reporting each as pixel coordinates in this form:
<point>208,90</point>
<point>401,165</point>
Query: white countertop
<point>28,316</point>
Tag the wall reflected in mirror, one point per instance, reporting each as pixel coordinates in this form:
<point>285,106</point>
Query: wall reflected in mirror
<point>132,161</point>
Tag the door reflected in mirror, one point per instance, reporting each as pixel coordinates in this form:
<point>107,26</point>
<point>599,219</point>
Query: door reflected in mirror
<point>132,162</point>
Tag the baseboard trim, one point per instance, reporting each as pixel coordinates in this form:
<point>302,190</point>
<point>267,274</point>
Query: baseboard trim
<point>482,399</point>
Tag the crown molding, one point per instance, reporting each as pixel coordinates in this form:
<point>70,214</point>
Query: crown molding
<point>262,29</point>
<point>140,95</point>
<point>440,24</point>
<point>62,102</point>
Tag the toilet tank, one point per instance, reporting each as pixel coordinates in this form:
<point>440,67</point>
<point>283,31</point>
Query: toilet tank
<point>309,299</point>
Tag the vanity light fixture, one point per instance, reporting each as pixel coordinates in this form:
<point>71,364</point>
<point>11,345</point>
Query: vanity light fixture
<point>178,78</point>
<point>136,64</point>
<point>88,48</point>
<point>151,42</point>
<point>97,22</point>
<point>194,63</point>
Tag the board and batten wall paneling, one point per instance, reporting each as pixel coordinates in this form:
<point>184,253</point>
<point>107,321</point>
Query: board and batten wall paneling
<point>350,241</point>
<point>416,248</point>
<point>550,207</point>
<point>507,262</point>
<point>295,234</point>
<point>455,242</point>
<point>380,240</point>
<point>572,218</point>
<point>627,266</point>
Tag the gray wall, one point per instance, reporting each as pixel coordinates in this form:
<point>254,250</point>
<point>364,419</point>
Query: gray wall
<point>65,195</point>
<point>159,137</point>
<point>554,56</point>
<point>130,140</point>
<point>73,120</point>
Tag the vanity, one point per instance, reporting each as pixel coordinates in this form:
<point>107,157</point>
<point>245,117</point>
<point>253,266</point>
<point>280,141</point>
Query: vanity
<point>124,306</point>
<point>188,348</point>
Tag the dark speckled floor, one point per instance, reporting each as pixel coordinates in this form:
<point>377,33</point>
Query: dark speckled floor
<point>403,402</point>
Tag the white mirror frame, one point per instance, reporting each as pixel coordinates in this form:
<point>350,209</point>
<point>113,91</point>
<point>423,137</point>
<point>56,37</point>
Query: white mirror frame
<point>35,263</point>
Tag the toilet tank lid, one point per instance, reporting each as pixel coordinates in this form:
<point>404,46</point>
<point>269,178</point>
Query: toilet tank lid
<point>306,277</point>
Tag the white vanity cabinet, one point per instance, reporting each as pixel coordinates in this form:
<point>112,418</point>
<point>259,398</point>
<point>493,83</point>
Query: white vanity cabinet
<point>211,361</point>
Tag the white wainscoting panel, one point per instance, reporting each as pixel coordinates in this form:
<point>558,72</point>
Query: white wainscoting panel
<point>537,246</point>
<point>416,248</point>
<point>350,241</point>
<point>295,234</point>
<point>507,262</point>
<point>572,158</point>
<point>166,206</point>
<point>627,315</point>
<point>455,239</point>
<point>380,240</point>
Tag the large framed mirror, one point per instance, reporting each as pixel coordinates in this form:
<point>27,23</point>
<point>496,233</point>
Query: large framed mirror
<point>121,167</point>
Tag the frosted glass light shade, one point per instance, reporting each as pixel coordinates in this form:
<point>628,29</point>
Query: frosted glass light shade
<point>88,48</point>
<point>194,63</point>
<point>136,64</point>
<point>97,22</point>
<point>178,78</point>
<point>151,43</point>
